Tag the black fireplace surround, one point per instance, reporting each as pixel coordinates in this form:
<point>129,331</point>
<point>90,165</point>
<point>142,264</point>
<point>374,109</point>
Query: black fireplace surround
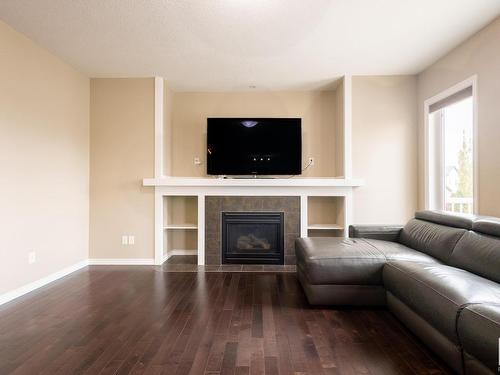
<point>253,237</point>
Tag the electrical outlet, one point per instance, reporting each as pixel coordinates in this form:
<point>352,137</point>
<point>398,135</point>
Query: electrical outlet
<point>31,257</point>
<point>131,240</point>
<point>310,161</point>
<point>124,240</point>
<point>197,161</point>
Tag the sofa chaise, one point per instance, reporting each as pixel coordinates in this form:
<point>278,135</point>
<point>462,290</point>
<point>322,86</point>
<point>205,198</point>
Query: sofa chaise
<point>439,274</point>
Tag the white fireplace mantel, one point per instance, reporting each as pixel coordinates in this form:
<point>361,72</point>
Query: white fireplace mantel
<point>252,186</point>
<point>252,182</point>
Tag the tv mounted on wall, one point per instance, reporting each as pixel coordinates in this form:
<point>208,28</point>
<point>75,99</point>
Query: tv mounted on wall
<point>254,146</point>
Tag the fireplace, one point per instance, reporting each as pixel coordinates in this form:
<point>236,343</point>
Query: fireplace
<point>216,206</point>
<point>253,237</point>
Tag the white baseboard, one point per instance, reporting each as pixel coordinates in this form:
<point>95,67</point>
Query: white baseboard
<point>122,262</point>
<point>9,296</point>
<point>178,252</point>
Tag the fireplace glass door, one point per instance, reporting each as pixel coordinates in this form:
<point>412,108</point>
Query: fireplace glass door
<point>252,237</point>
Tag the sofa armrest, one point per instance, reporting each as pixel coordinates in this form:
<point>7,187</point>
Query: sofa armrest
<point>376,232</point>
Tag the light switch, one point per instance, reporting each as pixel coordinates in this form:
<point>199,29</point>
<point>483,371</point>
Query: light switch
<point>124,240</point>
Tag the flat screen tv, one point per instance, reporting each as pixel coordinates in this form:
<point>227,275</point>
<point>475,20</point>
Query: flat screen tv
<point>254,146</point>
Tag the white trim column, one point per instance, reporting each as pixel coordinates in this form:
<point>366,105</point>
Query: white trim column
<point>201,229</point>
<point>303,216</point>
<point>348,212</point>
<point>347,126</point>
<point>159,232</point>
<point>158,127</point>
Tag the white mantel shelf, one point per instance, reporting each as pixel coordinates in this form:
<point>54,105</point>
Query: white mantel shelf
<point>251,182</point>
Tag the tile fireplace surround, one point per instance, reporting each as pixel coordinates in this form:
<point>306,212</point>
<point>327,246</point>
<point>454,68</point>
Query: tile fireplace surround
<point>215,205</point>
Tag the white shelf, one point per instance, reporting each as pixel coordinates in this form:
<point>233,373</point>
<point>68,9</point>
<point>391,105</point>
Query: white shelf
<point>181,226</point>
<point>252,182</point>
<point>325,227</point>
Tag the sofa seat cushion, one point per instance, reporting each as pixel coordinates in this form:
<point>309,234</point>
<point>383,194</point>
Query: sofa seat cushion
<point>344,261</point>
<point>479,331</point>
<point>437,292</point>
<point>349,261</point>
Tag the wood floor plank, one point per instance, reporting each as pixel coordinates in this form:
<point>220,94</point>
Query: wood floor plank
<point>139,320</point>
<point>197,353</point>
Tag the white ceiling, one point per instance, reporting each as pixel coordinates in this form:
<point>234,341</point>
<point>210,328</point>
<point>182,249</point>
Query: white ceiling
<point>233,44</point>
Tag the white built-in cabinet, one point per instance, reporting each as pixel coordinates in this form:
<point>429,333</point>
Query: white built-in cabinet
<point>326,203</point>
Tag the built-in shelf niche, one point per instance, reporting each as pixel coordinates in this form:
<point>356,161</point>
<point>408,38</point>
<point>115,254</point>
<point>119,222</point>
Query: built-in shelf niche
<point>180,225</point>
<point>325,216</point>
<point>325,117</point>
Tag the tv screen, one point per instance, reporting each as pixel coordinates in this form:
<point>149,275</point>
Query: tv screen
<point>254,146</point>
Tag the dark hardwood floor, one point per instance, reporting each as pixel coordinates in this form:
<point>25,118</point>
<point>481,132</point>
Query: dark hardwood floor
<point>140,320</point>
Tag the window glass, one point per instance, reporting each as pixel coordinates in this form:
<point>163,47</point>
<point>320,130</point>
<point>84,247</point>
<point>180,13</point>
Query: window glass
<point>457,131</point>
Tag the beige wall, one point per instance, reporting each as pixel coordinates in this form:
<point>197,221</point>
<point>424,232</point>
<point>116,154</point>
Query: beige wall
<point>479,55</point>
<point>122,153</point>
<point>316,108</point>
<point>384,148</point>
<point>44,162</point>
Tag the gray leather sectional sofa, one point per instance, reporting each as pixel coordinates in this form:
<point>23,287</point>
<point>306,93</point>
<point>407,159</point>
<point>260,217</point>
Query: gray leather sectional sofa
<point>439,274</point>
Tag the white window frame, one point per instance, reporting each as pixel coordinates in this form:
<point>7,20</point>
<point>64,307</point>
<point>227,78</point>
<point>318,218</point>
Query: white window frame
<point>428,168</point>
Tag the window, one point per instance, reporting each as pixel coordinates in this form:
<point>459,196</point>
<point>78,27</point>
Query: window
<point>450,150</point>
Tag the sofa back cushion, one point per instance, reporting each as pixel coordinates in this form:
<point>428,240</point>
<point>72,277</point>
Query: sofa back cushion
<point>449,219</point>
<point>487,225</point>
<point>478,251</point>
<point>433,239</point>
